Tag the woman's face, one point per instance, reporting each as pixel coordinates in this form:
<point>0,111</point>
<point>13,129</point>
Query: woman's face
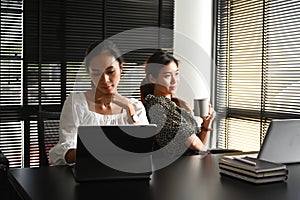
<point>105,73</point>
<point>167,80</point>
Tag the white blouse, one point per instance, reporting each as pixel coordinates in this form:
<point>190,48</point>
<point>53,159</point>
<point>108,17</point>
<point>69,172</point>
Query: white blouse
<point>76,112</point>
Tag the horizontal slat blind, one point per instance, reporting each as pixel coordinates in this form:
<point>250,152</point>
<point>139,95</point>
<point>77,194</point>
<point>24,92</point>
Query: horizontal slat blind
<point>257,68</point>
<point>166,21</point>
<point>39,71</point>
<point>11,142</point>
<point>44,88</point>
<point>82,24</point>
<point>239,73</point>
<point>50,25</point>
<point>283,71</point>
<point>146,13</point>
<point>77,77</point>
<point>131,79</point>
<point>62,31</point>
<point>34,145</point>
<point>11,52</point>
<point>135,37</point>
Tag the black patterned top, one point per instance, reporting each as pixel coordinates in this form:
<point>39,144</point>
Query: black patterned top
<point>175,124</point>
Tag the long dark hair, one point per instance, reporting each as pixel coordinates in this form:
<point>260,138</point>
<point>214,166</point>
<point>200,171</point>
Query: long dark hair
<point>153,65</point>
<point>98,47</point>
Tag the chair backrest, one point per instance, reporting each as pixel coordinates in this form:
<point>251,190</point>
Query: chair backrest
<point>48,134</point>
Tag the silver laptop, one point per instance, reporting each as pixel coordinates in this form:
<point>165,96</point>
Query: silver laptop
<point>282,142</point>
<point>114,152</point>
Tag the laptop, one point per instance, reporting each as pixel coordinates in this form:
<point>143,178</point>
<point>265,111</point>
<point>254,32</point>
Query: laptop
<point>114,152</point>
<point>282,142</point>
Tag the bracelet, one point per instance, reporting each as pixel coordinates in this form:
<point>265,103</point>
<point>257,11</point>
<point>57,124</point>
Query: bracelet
<point>205,129</point>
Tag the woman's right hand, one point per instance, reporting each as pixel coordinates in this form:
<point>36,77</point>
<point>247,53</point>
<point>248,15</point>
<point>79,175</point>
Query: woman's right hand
<point>115,98</point>
<point>70,156</point>
<point>123,102</point>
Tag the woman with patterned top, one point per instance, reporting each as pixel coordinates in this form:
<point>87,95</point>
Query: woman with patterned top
<point>179,131</point>
<point>100,105</point>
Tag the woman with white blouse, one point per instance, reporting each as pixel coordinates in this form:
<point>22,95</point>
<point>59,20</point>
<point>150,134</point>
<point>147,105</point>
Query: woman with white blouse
<point>101,105</point>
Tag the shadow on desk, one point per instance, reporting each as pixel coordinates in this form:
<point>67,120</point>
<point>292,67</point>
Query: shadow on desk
<point>240,188</point>
<point>124,189</point>
<point>58,182</point>
<point>4,188</point>
<point>190,152</point>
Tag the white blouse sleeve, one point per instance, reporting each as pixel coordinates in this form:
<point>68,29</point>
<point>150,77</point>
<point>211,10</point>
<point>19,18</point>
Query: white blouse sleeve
<point>69,122</point>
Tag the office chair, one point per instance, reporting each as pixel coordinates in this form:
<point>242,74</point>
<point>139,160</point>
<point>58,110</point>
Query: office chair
<point>48,134</point>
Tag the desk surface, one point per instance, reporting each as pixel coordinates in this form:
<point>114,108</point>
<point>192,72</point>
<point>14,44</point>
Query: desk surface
<point>190,178</point>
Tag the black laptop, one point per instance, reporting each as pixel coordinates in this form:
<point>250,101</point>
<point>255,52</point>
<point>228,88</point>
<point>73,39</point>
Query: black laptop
<point>114,152</point>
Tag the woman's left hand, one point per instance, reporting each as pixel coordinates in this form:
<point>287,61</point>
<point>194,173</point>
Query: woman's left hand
<point>207,120</point>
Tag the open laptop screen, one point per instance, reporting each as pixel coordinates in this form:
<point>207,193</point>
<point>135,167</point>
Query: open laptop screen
<point>114,152</point>
<point>282,142</point>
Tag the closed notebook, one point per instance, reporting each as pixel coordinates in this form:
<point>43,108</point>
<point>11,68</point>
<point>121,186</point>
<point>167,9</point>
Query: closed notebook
<point>260,165</point>
<point>253,179</point>
<point>281,172</point>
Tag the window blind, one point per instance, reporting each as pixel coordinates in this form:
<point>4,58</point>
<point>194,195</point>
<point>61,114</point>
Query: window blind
<point>42,50</point>
<point>11,142</point>
<point>257,68</point>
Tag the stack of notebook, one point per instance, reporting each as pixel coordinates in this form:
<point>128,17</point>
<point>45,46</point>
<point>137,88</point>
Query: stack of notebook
<point>252,169</point>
